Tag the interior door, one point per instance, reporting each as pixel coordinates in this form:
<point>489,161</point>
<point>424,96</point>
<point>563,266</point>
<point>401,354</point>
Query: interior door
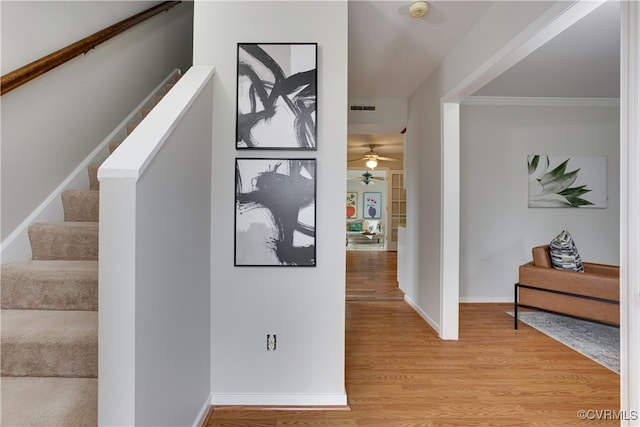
<point>397,216</point>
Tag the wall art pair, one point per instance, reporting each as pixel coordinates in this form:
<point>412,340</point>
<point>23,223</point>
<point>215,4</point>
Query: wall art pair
<point>371,205</point>
<point>275,198</point>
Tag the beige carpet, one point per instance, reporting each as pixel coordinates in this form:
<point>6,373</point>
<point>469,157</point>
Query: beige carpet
<point>61,401</point>
<point>49,318</point>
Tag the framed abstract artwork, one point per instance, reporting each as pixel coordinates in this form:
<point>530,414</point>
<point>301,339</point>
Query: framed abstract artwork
<point>275,212</point>
<point>352,205</point>
<point>567,181</point>
<point>276,96</point>
<point>372,205</point>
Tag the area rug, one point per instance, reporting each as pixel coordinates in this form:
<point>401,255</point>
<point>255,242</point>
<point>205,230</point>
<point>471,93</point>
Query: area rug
<point>365,247</point>
<point>600,343</point>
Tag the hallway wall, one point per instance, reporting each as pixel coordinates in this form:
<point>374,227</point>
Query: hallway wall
<point>52,123</point>
<point>303,306</point>
<point>497,229</point>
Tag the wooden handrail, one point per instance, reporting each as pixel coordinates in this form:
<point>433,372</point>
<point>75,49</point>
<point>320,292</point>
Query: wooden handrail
<point>30,71</point>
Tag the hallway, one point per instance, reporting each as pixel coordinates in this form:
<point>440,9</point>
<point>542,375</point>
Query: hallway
<point>371,276</point>
<point>399,373</point>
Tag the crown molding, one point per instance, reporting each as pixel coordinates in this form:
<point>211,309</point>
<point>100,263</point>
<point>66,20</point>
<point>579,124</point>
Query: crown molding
<point>541,101</point>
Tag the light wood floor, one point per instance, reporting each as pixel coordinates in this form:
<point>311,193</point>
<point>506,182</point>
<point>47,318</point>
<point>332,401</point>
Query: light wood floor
<point>399,373</point>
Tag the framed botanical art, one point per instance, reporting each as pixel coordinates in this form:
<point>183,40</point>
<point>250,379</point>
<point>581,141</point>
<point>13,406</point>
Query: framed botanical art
<point>275,212</point>
<point>567,181</point>
<point>372,205</point>
<point>352,205</point>
<point>276,96</point>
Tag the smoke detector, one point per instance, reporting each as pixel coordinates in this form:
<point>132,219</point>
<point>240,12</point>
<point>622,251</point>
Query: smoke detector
<point>418,8</point>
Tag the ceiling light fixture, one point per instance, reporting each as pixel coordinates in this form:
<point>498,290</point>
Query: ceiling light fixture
<point>418,8</point>
<point>371,163</point>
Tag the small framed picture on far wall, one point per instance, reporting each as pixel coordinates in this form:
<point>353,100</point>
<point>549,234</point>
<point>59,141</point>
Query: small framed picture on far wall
<point>352,204</point>
<point>371,205</point>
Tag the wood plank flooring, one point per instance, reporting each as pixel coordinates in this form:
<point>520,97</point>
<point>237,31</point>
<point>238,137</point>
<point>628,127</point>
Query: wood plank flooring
<point>399,373</point>
<point>371,275</point>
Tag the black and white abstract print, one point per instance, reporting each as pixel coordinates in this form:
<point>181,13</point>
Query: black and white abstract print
<point>276,96</point>
<point>275,212</point>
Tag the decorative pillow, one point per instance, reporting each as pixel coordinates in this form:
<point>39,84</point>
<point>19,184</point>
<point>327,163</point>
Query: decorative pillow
<point>564,253</point>
<point>355,226</point>
<point>373,226</point>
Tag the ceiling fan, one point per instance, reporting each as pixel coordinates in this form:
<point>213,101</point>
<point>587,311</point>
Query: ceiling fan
<point>367,178</point>
<point>371,158</point>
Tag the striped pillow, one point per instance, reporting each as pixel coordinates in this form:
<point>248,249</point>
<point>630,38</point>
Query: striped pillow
<point>564,254</point>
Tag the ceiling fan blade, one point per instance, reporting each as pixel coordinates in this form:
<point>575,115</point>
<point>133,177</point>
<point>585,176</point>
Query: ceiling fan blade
<point>356,160</point>
<point>389,159</point>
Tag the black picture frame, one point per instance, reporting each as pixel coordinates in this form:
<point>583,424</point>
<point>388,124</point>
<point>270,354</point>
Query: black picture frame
<point>276,95</point>
<point>275,212</point>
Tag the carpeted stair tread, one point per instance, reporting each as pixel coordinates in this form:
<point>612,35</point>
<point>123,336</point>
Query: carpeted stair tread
<point>64,240</point>
<point>59,402</point>
<point>50,285</point>
<point>47,343</point>
<point>82,206</point>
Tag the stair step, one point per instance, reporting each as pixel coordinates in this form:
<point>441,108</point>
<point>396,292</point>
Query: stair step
<point>47,343</point>
<point>64,240</point>
<point>82,206</point>
<point>37,401</point>
<point>92,171</point>
<point>50,285</point>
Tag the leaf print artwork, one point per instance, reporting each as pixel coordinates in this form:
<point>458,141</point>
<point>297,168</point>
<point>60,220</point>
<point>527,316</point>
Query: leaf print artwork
<point>553,188</point>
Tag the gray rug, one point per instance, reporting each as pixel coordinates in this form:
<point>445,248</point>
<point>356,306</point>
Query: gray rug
<point>600,343</point>
<point>365,247</point>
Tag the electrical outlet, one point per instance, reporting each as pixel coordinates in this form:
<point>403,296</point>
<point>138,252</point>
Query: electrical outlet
<point>271,342</point>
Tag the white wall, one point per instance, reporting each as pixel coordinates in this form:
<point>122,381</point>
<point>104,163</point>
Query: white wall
<point>53,122</point>
<point>390,116</point>
<point>497,229</point>
<point>155,229</point>
<point>303,306</point>
<point>424,155</point>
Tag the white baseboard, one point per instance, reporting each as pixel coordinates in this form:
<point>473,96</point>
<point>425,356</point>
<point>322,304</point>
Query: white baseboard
<point>423,314</point>
<point>487,300</point>
<point>235,399</point>
<point>202,415</point>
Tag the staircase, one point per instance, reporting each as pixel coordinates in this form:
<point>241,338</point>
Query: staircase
<point>49,318</point>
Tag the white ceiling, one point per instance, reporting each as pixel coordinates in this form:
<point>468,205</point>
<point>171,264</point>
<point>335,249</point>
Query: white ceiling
<point>581,62</point>
<point>391,53</point>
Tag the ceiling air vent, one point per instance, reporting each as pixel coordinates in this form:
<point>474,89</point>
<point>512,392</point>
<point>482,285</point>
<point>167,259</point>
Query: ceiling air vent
<point>363,108</point>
